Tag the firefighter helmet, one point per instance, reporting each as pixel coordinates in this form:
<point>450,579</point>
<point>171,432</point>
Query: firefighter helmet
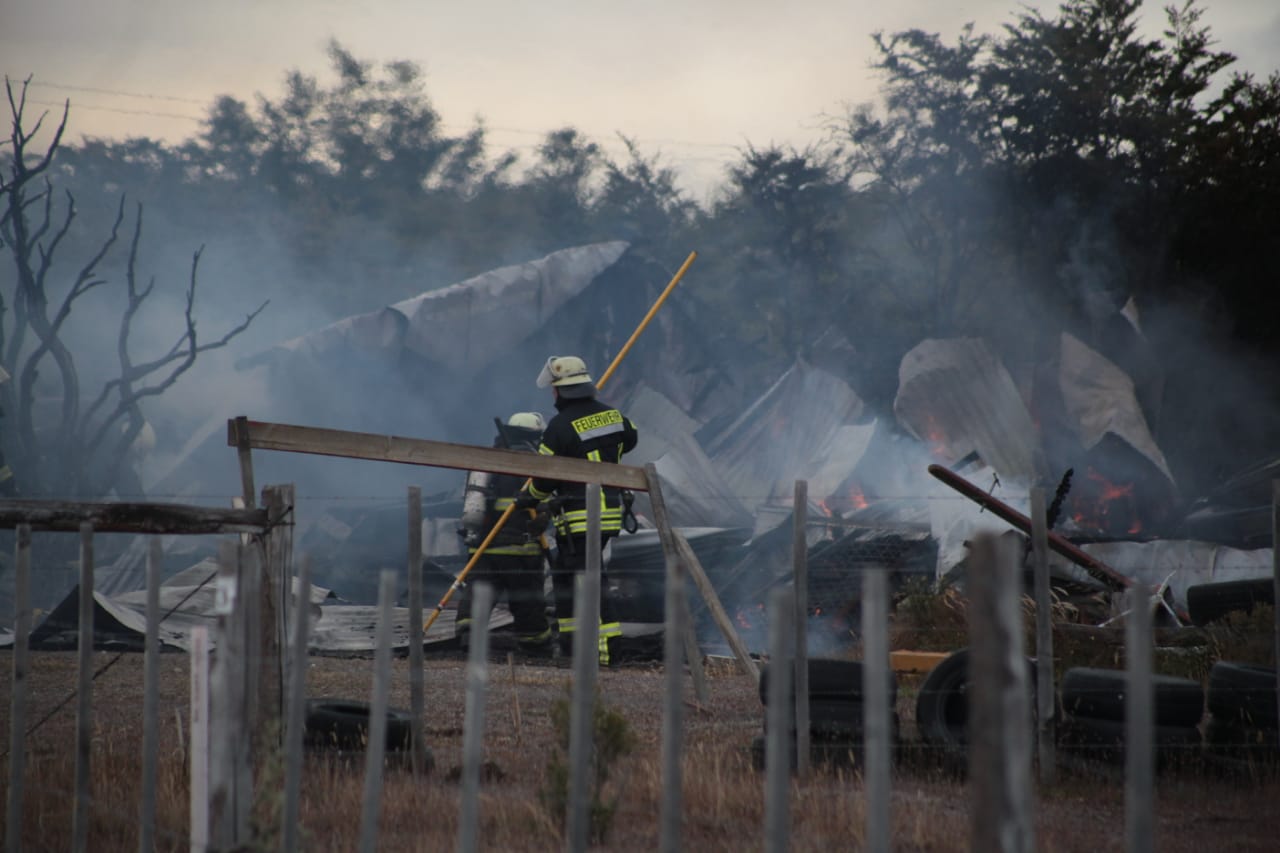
<point>564,370</point>
<point>527,420</point>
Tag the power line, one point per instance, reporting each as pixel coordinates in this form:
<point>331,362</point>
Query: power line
<point>120,110</point>
<point>97,91</point>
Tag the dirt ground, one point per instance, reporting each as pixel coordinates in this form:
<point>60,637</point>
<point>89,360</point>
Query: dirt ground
<point>1197,810</point>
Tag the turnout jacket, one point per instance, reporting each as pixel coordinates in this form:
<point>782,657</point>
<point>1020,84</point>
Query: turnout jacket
<point>585,429</point>
<point>521,535</point>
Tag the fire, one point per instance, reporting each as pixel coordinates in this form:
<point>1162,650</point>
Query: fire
<point>857,498</point>
<point>1106,506</point>
<point>827,509</point>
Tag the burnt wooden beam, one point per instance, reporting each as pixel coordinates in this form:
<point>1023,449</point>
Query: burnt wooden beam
<point>159,518</point>
<point>438,454</point>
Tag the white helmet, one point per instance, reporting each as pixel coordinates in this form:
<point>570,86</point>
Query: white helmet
<point>527,420</point>
<point>563,370</point>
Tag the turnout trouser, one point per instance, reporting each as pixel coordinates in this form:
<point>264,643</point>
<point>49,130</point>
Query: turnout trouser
<point>519,578</point>
<point>571,559</point>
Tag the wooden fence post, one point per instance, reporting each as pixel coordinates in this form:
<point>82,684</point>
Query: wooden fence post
<point>151,700</point>
<point>473,722</point>
<point>244,453</point>
<point>709,597</point>
<point>1046,704</point>
<point>201,833</point>
<point>417,698</point>
<point>674,616</point>
<point>586,660</point>
<point>18,692</point>
<point>800,574</point>
<point>376,747</point>
<point>875,689</point>
<point>277,585</point>
<point>296,708</point>
<point>999,733</point>
<point>1139,715</point>
<point>778,739</point>
<point>228,718</point>
<point>84,695</point>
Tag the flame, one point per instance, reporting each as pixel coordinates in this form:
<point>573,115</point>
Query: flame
<point>857,498</point>
<point>1107,506</point>
<point>827,508</point>
<point>935,437</point>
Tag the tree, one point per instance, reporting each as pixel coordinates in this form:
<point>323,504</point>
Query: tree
<point>83,449</point>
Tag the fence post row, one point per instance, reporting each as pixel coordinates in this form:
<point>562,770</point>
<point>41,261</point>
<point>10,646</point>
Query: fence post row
<point>999,716</point>
<point>18,694</point>
<point>1046,704</point>
<point>151,700</point>
<point>376,747</point>
<point>1139,752</point>
<point>201,827</point>
<point>417,698</point>
<point>800,574</point>
<point>84,695</point>
<point>277,582</point>
<point>586,660</point>
<point>875,690</point>
<point>674,615</point>
<point>297,707</point>
<point>473,719</point>
<point>779,742</point>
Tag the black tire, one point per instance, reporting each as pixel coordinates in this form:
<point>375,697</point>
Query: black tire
<point>1242,695</point>
<point>1208,602</point>
<point>344,724</point>
<point>829,679</point>
<point>1104,740</point>
<point>942,706</point>
<point>1099,694</point>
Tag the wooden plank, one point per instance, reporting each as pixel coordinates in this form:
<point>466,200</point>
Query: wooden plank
<point>18,689</point>
<point>201,814</point>
<point>297,710</point>
<point>712,600</point>
<point>240,437</point>
<point>228,724</point>
<point>84,696</point>
<point>778,740</point>
<point>473,721</point>
<point>150,700</point>
<point>417,451</point>
<point>371,804</point>
<point>417,695</point>
<point>800,580</point>
<point>877,779</point>
<point>277,582</point>
<point>906,661</point>
<point>1139,750</point>
<point>1046,751</point>
<point>586,662</point>
<point>999,715</point>
<point>670,812</point>
<point>157,518</point>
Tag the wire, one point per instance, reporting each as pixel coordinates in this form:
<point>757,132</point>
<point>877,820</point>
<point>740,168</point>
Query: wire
<point>99,91</point>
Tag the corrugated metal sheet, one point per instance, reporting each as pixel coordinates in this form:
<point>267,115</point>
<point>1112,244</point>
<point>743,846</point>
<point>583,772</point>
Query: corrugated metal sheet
<point>956,396</point>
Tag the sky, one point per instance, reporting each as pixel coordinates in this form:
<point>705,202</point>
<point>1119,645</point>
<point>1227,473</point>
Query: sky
<point>695,80</point>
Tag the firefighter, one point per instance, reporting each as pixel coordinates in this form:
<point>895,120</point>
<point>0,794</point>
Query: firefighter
<point>514,561</point>
<point>583,428</point>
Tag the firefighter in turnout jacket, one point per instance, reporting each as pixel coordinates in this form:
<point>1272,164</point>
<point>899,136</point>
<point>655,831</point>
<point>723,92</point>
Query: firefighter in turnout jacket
<point>583,428</point>
<point>514,561</point>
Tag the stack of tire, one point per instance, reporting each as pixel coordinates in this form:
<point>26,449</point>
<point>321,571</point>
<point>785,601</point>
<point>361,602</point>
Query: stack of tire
<point>1243,719</point>
<point>836,730</point>
<point>942,707</point>
<point>1093,722</point>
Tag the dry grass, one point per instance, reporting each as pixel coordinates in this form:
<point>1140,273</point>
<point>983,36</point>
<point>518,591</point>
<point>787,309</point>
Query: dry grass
<point>723,795</point>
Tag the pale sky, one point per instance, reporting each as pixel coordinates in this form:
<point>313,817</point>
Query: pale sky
<point>693,79</point>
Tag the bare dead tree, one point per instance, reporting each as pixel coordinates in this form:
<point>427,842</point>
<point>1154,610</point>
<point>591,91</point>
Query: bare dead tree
<point>82,454</point>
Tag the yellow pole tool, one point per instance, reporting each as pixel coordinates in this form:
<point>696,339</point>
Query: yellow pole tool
<point>506,515</point>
